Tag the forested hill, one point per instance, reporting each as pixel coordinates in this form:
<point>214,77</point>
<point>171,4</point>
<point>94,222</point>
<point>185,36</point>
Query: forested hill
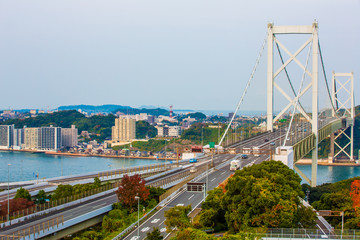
<point>110,108</point>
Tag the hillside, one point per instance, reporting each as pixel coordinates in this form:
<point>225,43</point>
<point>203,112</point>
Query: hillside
<point>111,108</point>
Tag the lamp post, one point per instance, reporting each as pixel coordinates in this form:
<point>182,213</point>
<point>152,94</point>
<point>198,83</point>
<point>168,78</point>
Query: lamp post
<point>8,216</point>
<point>138,230</point>
<point>202,136</point>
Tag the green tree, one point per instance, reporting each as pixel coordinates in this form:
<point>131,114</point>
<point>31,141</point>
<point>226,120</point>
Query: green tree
<point>154,235</point>
<point>23,193</point>
<point>97,182</point>
<point>263,195</point>
<point>177,217</point>
<point>144,130</point>
<point>307,217</point>
<point>212,214</point>
<point>41,197</point>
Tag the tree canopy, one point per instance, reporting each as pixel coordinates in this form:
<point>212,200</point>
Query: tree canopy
<point>130,187</point>
<point>23,193</point>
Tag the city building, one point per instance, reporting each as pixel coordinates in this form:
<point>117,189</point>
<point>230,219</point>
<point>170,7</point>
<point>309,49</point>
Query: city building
<point>174,131</point>
<point>124,129</point>
<point>32,138</point>
<point>168,131</point>
<point>69,136</point>
<point>19,138</point>
<point>6,136</point>
<point>50,138</point>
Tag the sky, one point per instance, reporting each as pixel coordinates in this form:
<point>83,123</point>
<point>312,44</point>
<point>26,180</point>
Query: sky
<point>189,54</point>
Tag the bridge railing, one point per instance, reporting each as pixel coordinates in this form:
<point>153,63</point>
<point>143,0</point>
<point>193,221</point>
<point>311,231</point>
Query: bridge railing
<point>40,209</point>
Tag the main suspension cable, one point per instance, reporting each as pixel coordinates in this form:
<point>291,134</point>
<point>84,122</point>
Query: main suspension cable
<point>326,82</point>
<point>244,92</point>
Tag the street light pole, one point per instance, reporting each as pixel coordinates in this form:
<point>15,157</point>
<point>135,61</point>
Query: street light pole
<point>138,230</point>
<point>202,136</point>
<point>8,216</point>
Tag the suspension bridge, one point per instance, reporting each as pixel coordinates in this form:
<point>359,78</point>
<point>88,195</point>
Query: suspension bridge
<point>306,128</point>
<point>310,127</point>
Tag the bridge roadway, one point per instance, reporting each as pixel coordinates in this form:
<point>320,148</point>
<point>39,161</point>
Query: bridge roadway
<point>190,198</point>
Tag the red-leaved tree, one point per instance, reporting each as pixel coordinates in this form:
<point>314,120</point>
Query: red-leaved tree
<point>15,205</point>
<point>355,193</point>
<point>130,187</point>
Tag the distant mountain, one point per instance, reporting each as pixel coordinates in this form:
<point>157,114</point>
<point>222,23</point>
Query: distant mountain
<point>108,108</point>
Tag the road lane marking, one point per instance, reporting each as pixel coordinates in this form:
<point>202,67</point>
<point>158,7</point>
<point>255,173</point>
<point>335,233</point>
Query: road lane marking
<point>134,238</point>
<point>180,205</point>
<point>163,229</point>
<point>190,197</point>
<point>155,220</point>
<point>213,179</point>
<point>222,173</point>
<point>145,229</point>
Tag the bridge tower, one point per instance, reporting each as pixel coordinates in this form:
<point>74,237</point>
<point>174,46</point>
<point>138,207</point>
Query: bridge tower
<point>345,81</point>
<point>311,30</point>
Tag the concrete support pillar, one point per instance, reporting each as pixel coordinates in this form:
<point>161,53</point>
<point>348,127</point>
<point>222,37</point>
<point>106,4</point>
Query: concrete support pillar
<point>315,104</point>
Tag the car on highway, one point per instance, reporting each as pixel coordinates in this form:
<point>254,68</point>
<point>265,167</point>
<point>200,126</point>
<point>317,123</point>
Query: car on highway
<point>192,160</point>
<point>244,156</point>
<point>266,140</point>
<point>272,144</point>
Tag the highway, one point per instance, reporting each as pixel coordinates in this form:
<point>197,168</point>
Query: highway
<point>191,198</point>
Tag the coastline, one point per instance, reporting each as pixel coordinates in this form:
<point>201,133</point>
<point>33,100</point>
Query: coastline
<point>324,162</point>
<point>106,156</point>
<point>85,155</point>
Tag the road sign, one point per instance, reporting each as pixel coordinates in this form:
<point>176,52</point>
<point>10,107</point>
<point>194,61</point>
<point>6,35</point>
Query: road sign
<point>195,186</point>
<point>211,144</point>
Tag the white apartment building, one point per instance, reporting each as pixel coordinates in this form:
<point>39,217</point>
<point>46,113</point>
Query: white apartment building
<point>168,131</point>
<point>124,129</point>
<point>69,136</point>
<point>6,136</point>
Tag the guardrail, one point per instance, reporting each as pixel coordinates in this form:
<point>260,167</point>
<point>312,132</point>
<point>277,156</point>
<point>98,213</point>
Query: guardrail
<point>45,208</point>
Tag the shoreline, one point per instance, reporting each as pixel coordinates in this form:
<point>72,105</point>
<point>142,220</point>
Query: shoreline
<point>107,156</point>
<point>324,162</point>
<point>84,155</point>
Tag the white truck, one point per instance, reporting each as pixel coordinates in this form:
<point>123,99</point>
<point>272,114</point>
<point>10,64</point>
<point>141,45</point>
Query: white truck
<point>234,165</point>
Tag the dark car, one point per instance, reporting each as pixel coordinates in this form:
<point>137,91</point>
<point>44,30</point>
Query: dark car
<point>266,140</point>
<point>244,156</point>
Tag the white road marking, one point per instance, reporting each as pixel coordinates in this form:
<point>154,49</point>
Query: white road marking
<point>163,230</point>
<point>222,173</point>
<point>145,229</point>
<point>155,220</point>
<point>134,238</point>
<point>190,197</point>
<point>180,205</point>
<point>213,179</point>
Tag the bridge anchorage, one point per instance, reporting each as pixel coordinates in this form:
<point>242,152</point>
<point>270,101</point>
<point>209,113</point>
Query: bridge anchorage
<point>308,125</point>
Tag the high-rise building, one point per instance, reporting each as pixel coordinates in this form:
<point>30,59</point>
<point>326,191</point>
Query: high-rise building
<point>124,129</point>
<point>50,138</point>
<point>32,138</point>
<point>19,138</point>
<point>6,136</point>
<point>69,136</point>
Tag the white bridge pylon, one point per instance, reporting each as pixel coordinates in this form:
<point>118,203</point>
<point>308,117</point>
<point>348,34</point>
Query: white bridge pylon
<point>346,107</point>
<point>313,85</point>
